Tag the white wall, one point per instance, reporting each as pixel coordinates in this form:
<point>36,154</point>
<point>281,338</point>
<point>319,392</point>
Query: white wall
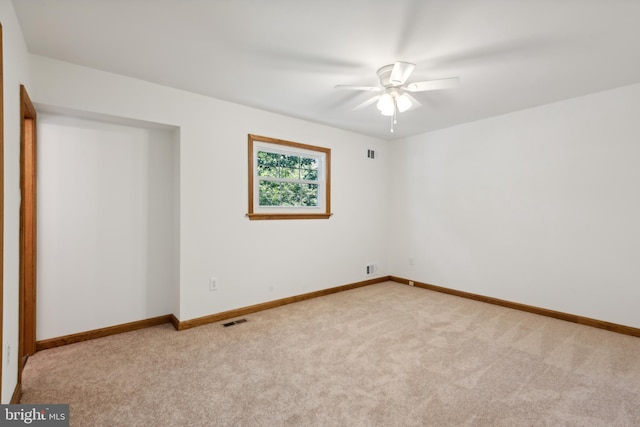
<point>539,207</point>
<point>15,72</point>
<point>254,261</point>
<point>107,232</point>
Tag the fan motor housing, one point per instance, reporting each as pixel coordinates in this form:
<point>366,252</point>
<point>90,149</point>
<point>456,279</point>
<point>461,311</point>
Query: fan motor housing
<point>384,74</point>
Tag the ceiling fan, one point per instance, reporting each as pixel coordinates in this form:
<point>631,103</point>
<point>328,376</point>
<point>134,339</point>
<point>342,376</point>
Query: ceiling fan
<point>396,97</point>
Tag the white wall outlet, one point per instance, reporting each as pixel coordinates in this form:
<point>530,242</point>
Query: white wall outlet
<point>213,284</point>
<point>410,283</point>
<point>371,269</point>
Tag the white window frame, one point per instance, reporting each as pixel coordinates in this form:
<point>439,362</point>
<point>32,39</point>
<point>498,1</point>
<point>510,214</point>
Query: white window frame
<point>272,145</point>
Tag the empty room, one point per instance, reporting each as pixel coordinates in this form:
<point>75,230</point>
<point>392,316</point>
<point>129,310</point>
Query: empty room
<point>298,212</point>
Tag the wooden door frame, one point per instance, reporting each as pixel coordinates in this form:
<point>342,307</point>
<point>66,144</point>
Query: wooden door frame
<point>28,236</point>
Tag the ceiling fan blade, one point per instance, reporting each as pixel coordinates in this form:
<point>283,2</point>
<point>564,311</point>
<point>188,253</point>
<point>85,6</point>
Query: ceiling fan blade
<point>366,103</point>
<point>364,88</point>
<point>401,72</point>
<point>414,102</point>
<point>433,84</point>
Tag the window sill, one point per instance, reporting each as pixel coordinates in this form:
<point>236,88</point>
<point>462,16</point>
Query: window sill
<point>263,216</point>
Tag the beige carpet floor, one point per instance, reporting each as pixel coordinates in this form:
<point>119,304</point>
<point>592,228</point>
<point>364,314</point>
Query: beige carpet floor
<point>382,355</point>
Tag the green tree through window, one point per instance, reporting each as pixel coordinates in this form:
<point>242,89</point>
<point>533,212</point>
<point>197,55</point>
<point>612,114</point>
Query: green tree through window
<point>287,180</point>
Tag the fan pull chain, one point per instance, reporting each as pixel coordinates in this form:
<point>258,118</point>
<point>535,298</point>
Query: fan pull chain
<point>393,117</point>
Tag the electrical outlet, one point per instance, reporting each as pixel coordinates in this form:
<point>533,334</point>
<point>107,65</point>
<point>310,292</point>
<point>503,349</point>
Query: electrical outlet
<point>410,283</point>
<point>213,284</point>
<point>371,269</point>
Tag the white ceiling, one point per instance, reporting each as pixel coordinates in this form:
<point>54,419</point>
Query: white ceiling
<point>286,56</point>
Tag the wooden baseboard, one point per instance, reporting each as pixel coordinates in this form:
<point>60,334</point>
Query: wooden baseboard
<point>171,318</point>
<point>17,394</point>
<point>103,332</point>
<point>175,322</point>
<point>217,317</point>
<point>276,303</point>
<point>601,324</point>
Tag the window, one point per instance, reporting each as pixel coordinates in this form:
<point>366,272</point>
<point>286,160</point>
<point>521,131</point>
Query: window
<point>288,180</point>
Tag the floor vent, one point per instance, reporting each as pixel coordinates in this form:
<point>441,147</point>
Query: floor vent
<point>226,325</point>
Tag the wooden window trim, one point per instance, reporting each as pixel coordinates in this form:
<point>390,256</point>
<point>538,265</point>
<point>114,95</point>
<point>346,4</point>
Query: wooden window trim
<point>253,215</point>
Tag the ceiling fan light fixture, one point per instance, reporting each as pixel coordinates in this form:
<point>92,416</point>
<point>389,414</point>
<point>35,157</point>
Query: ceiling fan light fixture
<point>386,105</point>
<point>403,103</point>
<point>396,92</point>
